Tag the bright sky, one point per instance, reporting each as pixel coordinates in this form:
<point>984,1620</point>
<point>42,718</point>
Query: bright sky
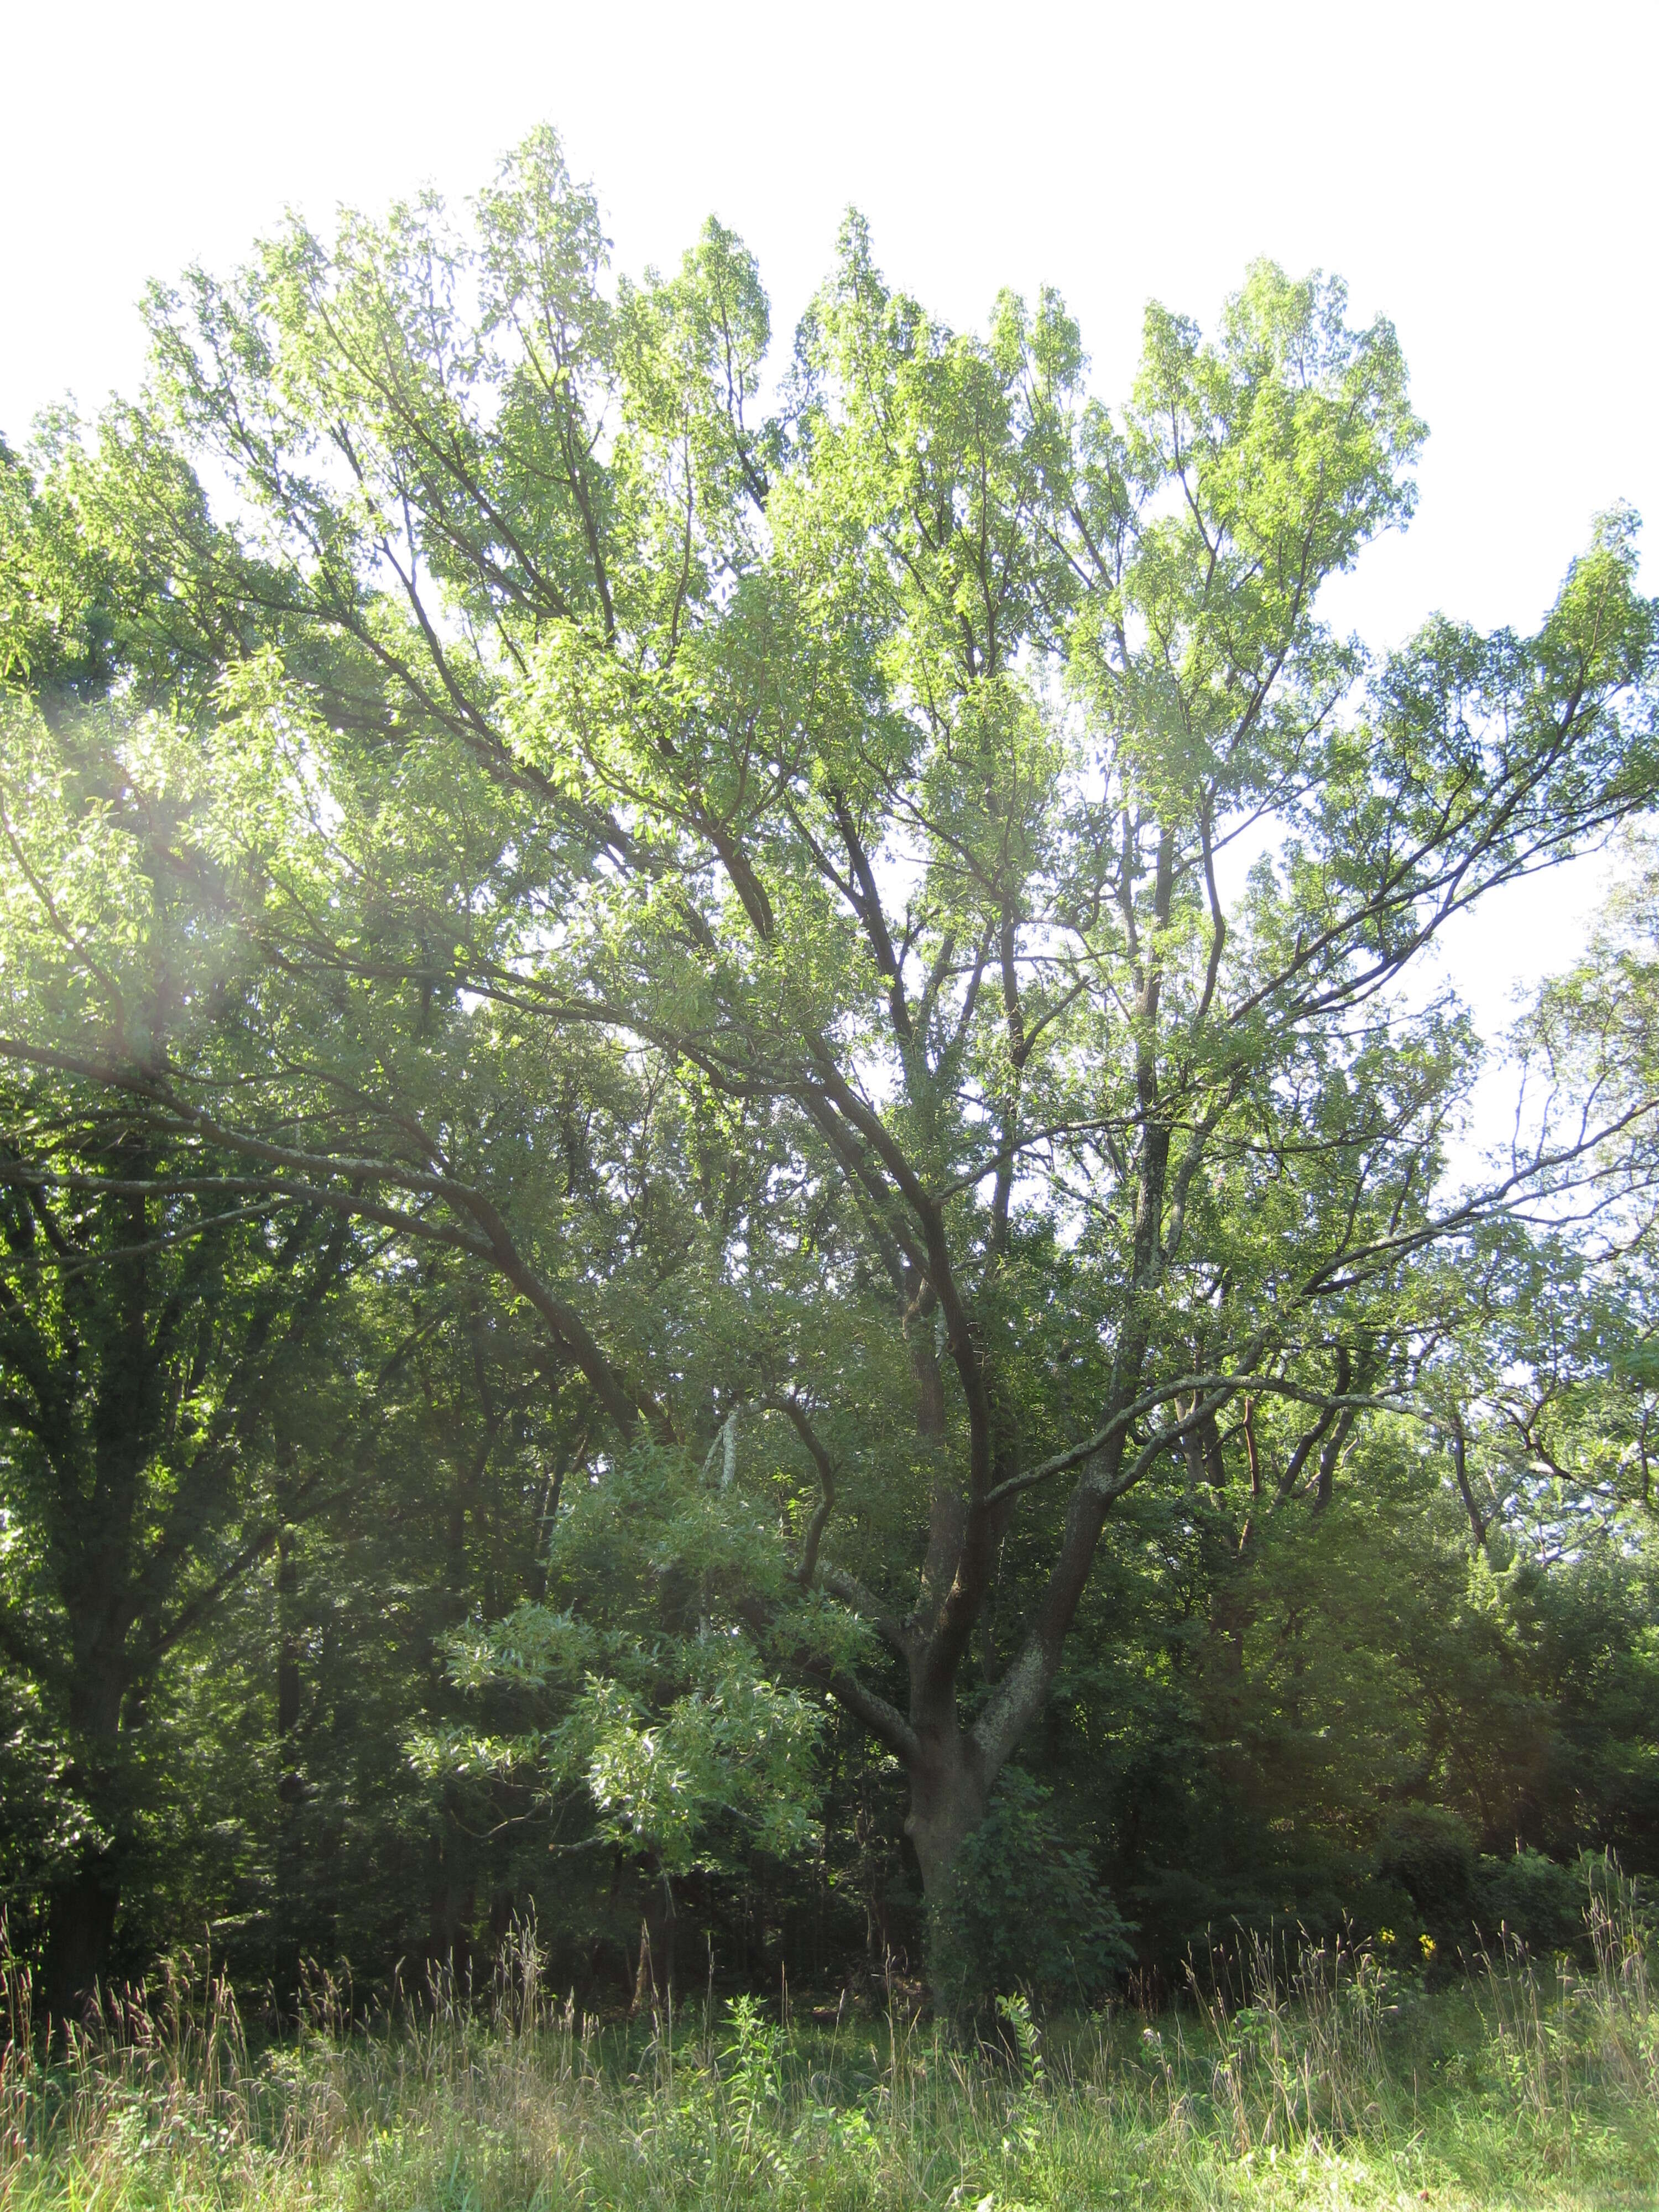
<point>1483,174</point>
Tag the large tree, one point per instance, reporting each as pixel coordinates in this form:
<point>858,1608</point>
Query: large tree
<point>885,916</point>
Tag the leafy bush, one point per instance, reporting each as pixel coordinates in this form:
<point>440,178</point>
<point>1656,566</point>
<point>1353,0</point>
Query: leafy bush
<point>1430,1854</point>
<point>1025,1913</point>
<point>1533,1897</point>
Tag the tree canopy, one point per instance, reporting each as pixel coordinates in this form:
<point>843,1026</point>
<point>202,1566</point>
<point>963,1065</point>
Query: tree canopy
<point>812,971</point>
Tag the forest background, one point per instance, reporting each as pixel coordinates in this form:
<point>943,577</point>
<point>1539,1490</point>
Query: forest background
<point>634,969</point>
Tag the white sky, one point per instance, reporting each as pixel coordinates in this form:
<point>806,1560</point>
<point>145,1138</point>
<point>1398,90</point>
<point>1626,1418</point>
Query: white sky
<point>1485,174</point>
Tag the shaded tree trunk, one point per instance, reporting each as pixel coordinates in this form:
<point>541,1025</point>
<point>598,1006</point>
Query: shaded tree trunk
<point>82,1906</point>
<point>290,1784</point>
<point>80,1922</point>
<point>948,1796</point>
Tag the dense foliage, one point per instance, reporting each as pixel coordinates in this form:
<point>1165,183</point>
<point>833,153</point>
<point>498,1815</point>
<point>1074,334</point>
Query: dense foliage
<point>731,1205</point>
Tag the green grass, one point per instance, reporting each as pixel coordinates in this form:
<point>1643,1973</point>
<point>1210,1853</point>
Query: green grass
<point>1340,2083</point>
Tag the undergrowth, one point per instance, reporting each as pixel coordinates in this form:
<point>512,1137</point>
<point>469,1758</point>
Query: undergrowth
<point>1333,2077</point>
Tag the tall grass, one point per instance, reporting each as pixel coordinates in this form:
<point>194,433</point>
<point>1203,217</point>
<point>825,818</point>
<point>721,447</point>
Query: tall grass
<point>1327,2075</point>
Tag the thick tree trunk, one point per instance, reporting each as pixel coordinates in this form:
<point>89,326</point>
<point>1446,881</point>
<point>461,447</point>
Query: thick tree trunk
<point>948,1795</point>
<point>80,1908</point>
<point>947,1803</point>
<point>79,1921</point>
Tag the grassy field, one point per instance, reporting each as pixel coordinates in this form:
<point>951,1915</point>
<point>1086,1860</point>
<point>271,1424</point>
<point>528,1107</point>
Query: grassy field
<point>1338,2081</point>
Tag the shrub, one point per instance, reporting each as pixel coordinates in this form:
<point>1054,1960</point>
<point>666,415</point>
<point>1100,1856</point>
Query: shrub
<point>1025,1913</point>
<point>1532,1897</point>
<point>1430,1854</point>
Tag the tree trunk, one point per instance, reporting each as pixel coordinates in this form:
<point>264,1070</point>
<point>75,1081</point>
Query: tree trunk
<point>80,1908</point>
<point>659,1937</point>
<point>79,1921</point>
<point>948,1795</point>
<point>291,1784</point>
<point>452,1903</point>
